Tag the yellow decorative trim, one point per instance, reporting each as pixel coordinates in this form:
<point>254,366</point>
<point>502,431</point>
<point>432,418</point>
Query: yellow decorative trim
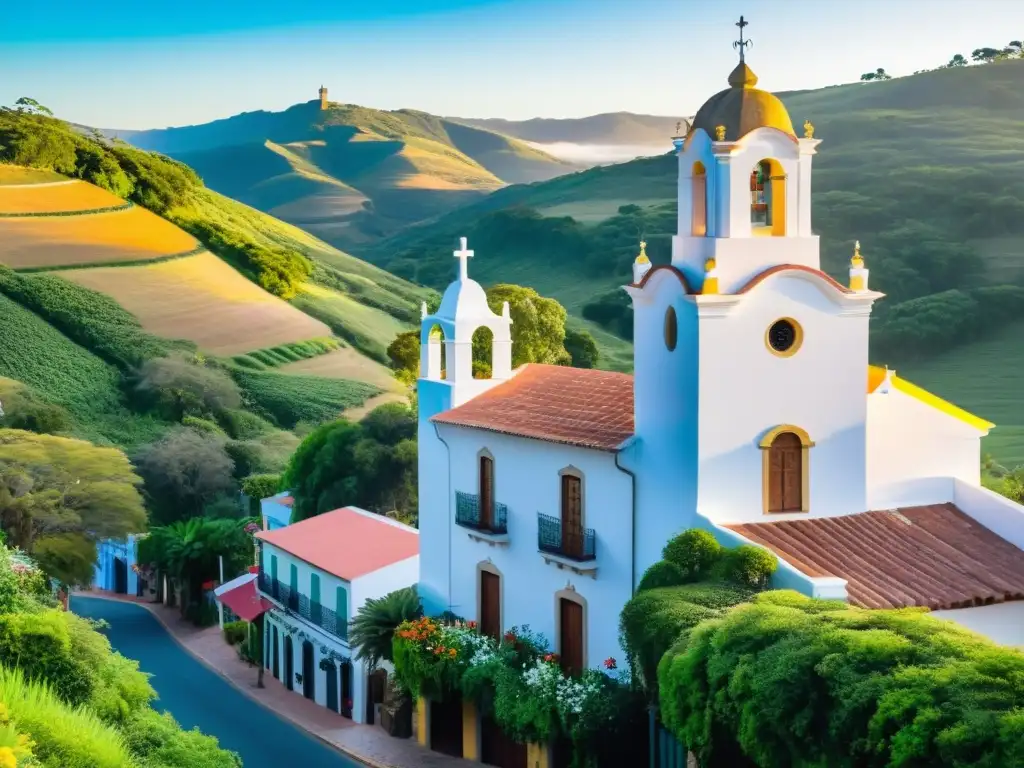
<point>423,722</point>
<point>797,343</point>
<point>642,257</point>
<point>808,129</point>
<point>805,466</point>
<point>719,133</point>
<point>470,731</point>
<point>857,261</point>
<point>857,283</point>
<point>710,286</point>
<point>928,398</point>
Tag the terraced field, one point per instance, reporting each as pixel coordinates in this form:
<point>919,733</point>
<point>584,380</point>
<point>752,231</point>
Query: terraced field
<point>16,174</point>
<point>102,238</point>
<point>56,197</point>
<point>203,300</point>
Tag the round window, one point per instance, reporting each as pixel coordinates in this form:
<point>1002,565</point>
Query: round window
<point>671,329</point>
<point>784,337</point>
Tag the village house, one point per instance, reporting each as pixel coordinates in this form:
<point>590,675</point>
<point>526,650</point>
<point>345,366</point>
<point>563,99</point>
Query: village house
<point>753,412</point>
<point>313,577</point>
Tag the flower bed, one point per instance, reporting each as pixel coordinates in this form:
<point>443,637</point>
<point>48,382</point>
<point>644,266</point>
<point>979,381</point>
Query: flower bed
<point>517,680</point>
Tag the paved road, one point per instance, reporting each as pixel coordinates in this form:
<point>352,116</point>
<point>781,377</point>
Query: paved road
<point>198,697</point>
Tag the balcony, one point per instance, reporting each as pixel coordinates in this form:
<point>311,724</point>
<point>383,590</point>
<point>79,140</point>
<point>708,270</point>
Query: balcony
<point>300,605</point>
<point>492,528</point>
<point>573,548</point>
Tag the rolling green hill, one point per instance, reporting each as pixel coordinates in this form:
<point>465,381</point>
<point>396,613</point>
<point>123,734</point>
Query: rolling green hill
<point>350,174</point>
<point>608,129</point>
<point>926,171</point>
<point>94,287</point>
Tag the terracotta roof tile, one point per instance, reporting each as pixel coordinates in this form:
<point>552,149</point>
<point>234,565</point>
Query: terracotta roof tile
<point>574,406</point>
<point>347,542</point>
<point>933,556</point>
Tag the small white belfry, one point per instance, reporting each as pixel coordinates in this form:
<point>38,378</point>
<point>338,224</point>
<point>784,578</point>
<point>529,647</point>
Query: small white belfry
<point>642,264</point>
<point>858,274</point>
<point>462,311</point>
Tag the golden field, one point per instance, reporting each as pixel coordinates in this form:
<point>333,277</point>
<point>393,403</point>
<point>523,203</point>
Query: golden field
<point>202,299</point>
<point>61,197</point>
<point>344,363</point>
<point>16,174</point>
<point>97,238</point>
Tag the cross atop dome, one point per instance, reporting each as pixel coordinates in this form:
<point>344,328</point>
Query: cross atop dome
<point>741,45</point>
<point>462,255</point>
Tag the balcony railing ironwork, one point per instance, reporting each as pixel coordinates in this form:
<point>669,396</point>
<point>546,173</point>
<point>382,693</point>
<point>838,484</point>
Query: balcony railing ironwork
<point>468,513</point>
<point>571,542</point>
<point>301,605</point>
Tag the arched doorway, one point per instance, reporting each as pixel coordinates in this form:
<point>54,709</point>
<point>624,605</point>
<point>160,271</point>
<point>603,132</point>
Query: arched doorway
<point>275,660</point>
<point>120,576</point>
<point>332,685</point>
<point>768,199</point>
<point>483,353</point>
<point>376,684</point>
<point>308,671</point>
<point>289,664</point>
<point>785,474</point>
<point>699,201</point>
<point>346,689</point>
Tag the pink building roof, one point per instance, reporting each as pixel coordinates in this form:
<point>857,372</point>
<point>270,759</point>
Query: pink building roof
<point>347,542</point>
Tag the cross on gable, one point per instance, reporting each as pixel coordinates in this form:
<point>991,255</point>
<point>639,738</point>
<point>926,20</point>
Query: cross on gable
<point>742,44</point>
<point>462,255</point>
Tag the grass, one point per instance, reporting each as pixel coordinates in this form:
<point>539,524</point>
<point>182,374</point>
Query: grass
<point>368,329</point>
<point>89,318</point>
<point>594,211</point>
<point>287,400</point>
<point>205,301</point>
<point>108,237</point>
<point>62,198</point>
<point>985,379</point>
<point>275,357</point>
<point>345,363</point>
<point>51,365</point>
<point>62,737</point>
<point>15,174</point>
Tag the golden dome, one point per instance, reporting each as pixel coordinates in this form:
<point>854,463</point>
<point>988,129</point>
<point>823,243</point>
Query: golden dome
<point>742,108</point>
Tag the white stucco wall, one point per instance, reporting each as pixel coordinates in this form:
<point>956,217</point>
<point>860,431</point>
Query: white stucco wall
<point>275,514</point>
<point>915,451</point>
<point>404,573</point>
<point>104,572</point>
<point>745,390</point>
<point>329,583</point>
<point>526,479</point>
<point>1002,623</point>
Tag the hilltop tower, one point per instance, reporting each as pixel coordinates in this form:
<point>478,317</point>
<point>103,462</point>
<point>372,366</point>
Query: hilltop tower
<point>323,97</point>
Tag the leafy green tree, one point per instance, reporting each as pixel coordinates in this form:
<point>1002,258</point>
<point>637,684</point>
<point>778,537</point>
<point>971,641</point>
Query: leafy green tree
<point>404,351</point>
<point>582,349</point>
<point>58,495</point>
<point>538,325</point>
<point>878,74</point>
<point>985,55</point>
<point>261,487</point>
<point>958,60</point>
<point>323,474</point>
<point>180,387</point>
<point>31,106</point>
<point>183,472</point>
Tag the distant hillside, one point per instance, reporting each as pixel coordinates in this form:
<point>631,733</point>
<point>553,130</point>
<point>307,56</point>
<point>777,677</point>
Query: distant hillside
<point>349,174</point>
<point>624,128</point>
<point>926,171</point>
<point>95,282</point>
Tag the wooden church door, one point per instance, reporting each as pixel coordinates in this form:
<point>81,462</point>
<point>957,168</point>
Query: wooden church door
<point>785,474</point>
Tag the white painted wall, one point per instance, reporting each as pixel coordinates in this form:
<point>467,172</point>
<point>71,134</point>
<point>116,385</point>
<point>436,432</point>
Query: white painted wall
<point>329,583</point>
<point>745,391</point>
<point>1001,623</point>
<point>404,573</point>
<point>526,479</point>
<point>997,513</point>
<point>915,452</point>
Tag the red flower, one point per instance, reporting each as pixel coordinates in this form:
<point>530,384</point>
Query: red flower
<point>208,585</point>
<point>609,663</point>
<point>510,637</point>
<point>471,624</point>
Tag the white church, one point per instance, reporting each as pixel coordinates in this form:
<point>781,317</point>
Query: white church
<point>546,491</point>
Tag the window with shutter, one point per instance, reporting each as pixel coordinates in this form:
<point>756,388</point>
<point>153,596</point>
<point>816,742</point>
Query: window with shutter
<point>486,492</point>
<point>274,585</point>
<point>341,608</point>
<point>315,612</point>
<point>572,515</point>
<point>490,604</point>
<point>571,636</point>
<point>293,582</point>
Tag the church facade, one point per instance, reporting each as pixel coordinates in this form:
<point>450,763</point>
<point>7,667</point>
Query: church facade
<point>753,412</point>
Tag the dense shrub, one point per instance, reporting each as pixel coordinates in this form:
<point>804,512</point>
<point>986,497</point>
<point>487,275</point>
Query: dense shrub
<point>235,632</point>
<point>747,565</point>
<point>181,386</point>
<point>787,680</point>
<point>695,552</point>
<point>40,645</point>
<point>23,409</point>
<point>261,486</point>
<point>662,574</point>
<point>159,742</point>
<point>203,426</point>
<point>63,737</point>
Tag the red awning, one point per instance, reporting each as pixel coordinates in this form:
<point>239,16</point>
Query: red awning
<point>246,602</point>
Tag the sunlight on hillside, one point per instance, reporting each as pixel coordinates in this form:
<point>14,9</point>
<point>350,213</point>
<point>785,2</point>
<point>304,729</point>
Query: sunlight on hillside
<point>100,238</point>
<point>202,299</point>
<point>60,197</point>
<point>15,174</point>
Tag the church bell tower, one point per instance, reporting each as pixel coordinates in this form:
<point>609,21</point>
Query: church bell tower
<point>323,97</point>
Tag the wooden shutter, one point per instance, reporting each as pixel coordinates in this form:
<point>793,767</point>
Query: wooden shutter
<point>490,604</point>
<point>785,474</point>
<point>486,492</point>
<point>273,578</point>
<point>341,609</point>
<point>315,611</point>
<point>571,630</point>
<point>572,515</point>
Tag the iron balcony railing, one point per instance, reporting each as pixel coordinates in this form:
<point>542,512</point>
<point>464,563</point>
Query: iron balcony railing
<point>301,605</point>
<point>571,542</point>
<point>468,514</point>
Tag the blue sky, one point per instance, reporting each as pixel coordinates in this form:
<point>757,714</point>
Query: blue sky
<point>157,63</point>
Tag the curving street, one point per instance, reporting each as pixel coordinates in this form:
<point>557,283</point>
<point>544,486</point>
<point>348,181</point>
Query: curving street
<point>197,696</point>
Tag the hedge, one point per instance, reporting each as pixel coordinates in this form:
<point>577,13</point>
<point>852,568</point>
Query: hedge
<point>787,680</point>
<point>56,214</point>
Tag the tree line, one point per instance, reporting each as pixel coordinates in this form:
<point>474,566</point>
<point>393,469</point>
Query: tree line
<point>1012,50</point>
